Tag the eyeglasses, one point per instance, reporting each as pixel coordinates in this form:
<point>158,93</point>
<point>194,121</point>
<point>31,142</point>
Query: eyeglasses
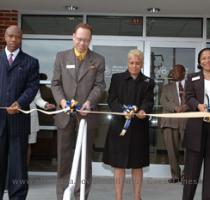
<point>85,41</point>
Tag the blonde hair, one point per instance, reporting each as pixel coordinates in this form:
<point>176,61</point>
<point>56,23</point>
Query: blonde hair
<point>136,52</point>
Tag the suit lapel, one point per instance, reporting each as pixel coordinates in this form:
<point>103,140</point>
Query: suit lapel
<point>200,86</point>
<point>85,66</point>
<point>17,61</point>
<point>70,62</point>
<point>175,93</point>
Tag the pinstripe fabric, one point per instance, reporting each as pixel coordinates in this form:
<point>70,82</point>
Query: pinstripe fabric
<point>18,82</point>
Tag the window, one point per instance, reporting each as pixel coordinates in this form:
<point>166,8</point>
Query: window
<point>116,25</point>
<point>174,27</point>
<point>49,24</point>
<point>208,28</point>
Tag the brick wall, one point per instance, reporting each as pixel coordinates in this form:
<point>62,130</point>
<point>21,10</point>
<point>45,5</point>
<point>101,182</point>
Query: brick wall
<point>7,18</point>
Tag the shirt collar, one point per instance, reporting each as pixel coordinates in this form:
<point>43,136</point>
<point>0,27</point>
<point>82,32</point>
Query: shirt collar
<point>78,54</point>
<point>128,76</point>
<point>182,82</point>
<point>14,53</point>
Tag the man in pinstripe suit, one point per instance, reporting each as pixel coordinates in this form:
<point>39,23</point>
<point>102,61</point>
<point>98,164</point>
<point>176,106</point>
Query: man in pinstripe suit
<point>19,82</point>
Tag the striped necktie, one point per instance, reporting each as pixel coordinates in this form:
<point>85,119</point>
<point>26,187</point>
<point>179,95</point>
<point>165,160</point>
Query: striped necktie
<point>10,59</point>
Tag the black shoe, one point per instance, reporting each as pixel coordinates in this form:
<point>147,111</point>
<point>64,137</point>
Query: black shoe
<point>174,180</point>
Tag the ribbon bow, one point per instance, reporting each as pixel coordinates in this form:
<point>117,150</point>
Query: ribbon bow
<point>72,106</point>
<point>129,109</point>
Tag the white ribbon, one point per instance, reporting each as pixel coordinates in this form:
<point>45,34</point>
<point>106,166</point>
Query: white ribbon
<point>45,112</point>
<point>161,115</point>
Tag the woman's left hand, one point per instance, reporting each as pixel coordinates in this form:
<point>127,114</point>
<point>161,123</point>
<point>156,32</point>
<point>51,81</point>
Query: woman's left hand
<point>141,114</point>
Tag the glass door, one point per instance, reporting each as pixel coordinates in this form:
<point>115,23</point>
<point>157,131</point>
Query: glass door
<point>159,60</point>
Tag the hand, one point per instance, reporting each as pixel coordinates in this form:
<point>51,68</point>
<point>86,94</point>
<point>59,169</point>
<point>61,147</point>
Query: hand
<point>85,106</point>
<point>129,115</point>
<point>178,109</point>
<point>49,106</point>
<point>202,107</point>
<point>63,106</point>
<point>182,108</point>
<point>63,103</point>
<point>141,114</point>
<point>14,108</point>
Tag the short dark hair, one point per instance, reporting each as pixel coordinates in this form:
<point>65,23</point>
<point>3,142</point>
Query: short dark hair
<point>181,66</point>
<point>199,56</point>
<point>85,26</point>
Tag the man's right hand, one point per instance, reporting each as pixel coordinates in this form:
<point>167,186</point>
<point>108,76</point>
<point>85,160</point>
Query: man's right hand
<point>14,108</point>
<point>63,103</point>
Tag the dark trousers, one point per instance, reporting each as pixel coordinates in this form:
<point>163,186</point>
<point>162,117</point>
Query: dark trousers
<point>193,165</point>
<point>13,154</point>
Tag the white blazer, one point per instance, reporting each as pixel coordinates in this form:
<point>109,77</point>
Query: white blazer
<point>34,115</point>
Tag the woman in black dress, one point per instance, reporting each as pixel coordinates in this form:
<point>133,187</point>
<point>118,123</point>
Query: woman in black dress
<point>131,150</point>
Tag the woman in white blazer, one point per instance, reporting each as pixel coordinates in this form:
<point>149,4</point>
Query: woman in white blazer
<point>38,101</point>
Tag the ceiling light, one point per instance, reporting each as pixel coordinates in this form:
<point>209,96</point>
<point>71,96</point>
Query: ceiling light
<point>71,7</point>
<point>153,10</point>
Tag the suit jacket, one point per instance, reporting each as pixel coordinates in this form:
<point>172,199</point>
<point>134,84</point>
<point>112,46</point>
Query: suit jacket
<point>18,82</point>
<point>194,96</point>
<point>169,100</point>
<point>86,84</point>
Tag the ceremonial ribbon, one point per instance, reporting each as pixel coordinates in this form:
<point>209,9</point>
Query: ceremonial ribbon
<point>159,115</point>
<point>73,107</point>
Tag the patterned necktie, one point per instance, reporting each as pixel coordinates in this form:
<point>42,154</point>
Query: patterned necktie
<point>10,59</point>
<point>80,57</point>
<point>181,92</point>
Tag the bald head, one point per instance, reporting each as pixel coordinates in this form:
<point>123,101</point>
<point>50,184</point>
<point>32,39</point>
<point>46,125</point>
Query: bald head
<point>13,37</point>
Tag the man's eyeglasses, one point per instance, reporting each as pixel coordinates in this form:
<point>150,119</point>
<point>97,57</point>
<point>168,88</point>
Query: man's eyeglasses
<point>86,41</point>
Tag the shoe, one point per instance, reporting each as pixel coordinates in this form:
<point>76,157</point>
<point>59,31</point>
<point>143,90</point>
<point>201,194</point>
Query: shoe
<point>174,180</point>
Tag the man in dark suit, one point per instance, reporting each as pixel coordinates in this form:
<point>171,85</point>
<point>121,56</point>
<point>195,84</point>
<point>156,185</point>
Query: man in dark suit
<point>172,100</point>
<point>79,75</point>
<point>19,81</point>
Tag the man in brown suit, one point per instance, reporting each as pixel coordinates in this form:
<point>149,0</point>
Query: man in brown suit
<point>79,75</point>
<point>172,100</point>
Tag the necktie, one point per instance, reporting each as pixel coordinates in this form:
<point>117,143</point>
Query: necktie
<point>181,92</point>
<point>10,59</point>
<point>80,57</point>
